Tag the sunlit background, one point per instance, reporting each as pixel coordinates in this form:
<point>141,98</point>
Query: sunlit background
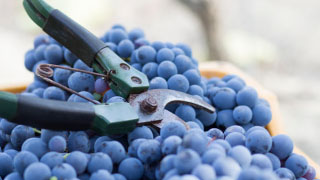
<point>277,42</point>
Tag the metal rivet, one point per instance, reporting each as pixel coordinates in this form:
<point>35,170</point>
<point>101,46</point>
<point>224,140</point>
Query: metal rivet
<point>124,66</point>
<point>136,80</point>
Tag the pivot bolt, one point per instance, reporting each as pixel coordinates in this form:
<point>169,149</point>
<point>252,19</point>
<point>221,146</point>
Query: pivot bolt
<point>148,105</point>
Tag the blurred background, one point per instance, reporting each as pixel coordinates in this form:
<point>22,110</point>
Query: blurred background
<point>276,42</point>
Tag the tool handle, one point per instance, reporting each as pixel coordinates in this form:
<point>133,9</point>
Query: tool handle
<point>47,114</point>
<point>115,118</point>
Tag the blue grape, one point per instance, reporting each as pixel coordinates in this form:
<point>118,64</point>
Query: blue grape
<point>179,83</point>
<point>114,149</point>
<point>255,128</point>
<point>285,173</point>
<point>141,42</point>
<point>204,172</point>
<point>36,84</point>
<point>19,134</point>
<point>131,168</point>
<point>177,51</point>
<point>183,63</point>
<point>241,154</point>
<point>165,54</point>
<point>186,112</point>
<point>247,126</point>
<point>36,146</point>
<point>172,128</point>
<point>150,69</point>
<point>167,69</point>
<point>101,175</point>
<point>247,96</point>
<point>195,90</point>
<point>133,148</point>
<point>226,167</point>
<point>38,92</point>
<point>261,161</point>
<point>79,64</point>
<point>261,115</point>
<point>39,52</point>
<point>109,94</point>
<point>195,141</point>
<point>235,138</point>
<point>22,160</point>
<point>41,39</point>
<point>157,45</point>
<point>47,134</point>
<point>149,151</point>
<point>6,166</point>
<point>81,82</point>
<point>311,173</point>
<point>166,164</point>
<point>37,170</point>
<point>211,155</point>
<point>80,99</point>
<point>135,34</point>
<point>242,114</point>
<point>78,161</point>
<point>186,49</point>
<point>125,48</point>
<point>186,161</point>
<point>30,60</point>
<point>140,132</point>
<point>158,83</point>
<point>116,99</point>
<point>235,84</point>
<point>57,144</point>
<point>225,118</point>
<point>13,176</point>
<point>118,26</point>
<point>99,140</point>
<point>69,57</point>
<point>61,75</point>
<point>297,164</point>
<point>225,98</point>
<point>215,133</point>
<point>146,54</point>
<point>11,152</point>
<point>117,35</point>
<point>207,118</point>
<point>170,145</point>
<point>250,173</point>
<point>234,128</point>
<point>259,142</point>
<point>52,159</point>
<point>169,45</point>
<point>137,66</point>
<point>99,161</point>
<point>274,160</point>
<point>225,144</point>
<point>54,93</point>
<point>29,94</point>
<point>53,54</point>
<point>78,141</point>
<point>112,46</point>
<point>6,126</point>
<point>282,146</point>
<point>118,176</point>
<point>64,171</point>
<point>194,124</point>
<point>263,102</point>
<point>193,76</point>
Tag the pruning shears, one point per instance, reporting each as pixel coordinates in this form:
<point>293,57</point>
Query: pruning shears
<point>143,106</point>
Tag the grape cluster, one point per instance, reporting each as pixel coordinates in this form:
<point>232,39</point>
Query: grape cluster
<point>230,144</point>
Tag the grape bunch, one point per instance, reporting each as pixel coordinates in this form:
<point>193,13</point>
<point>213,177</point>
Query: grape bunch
<point>230,144</point>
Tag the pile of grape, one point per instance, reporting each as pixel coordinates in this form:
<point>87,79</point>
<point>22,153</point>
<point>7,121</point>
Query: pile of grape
<point>231,144</point>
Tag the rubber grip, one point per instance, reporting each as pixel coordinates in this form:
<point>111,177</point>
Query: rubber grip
<point>53,114</point>
<point>73,36</point>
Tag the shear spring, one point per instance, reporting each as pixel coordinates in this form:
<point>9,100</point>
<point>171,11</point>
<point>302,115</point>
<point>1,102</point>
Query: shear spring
<point>45,72</point>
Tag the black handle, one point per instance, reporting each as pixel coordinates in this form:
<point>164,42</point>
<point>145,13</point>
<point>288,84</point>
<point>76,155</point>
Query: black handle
<point>76,38</point>
<point>52,114</point>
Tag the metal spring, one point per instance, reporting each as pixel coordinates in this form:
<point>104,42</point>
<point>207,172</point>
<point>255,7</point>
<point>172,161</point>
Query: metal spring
<point>45,72</point>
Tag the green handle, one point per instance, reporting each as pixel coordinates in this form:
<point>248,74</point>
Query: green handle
<point>124,79</point>
<point>62,115</point>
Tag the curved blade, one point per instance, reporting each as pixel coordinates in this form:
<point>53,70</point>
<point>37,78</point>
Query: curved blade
<point>168,116</point>
<point>164,97</point>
